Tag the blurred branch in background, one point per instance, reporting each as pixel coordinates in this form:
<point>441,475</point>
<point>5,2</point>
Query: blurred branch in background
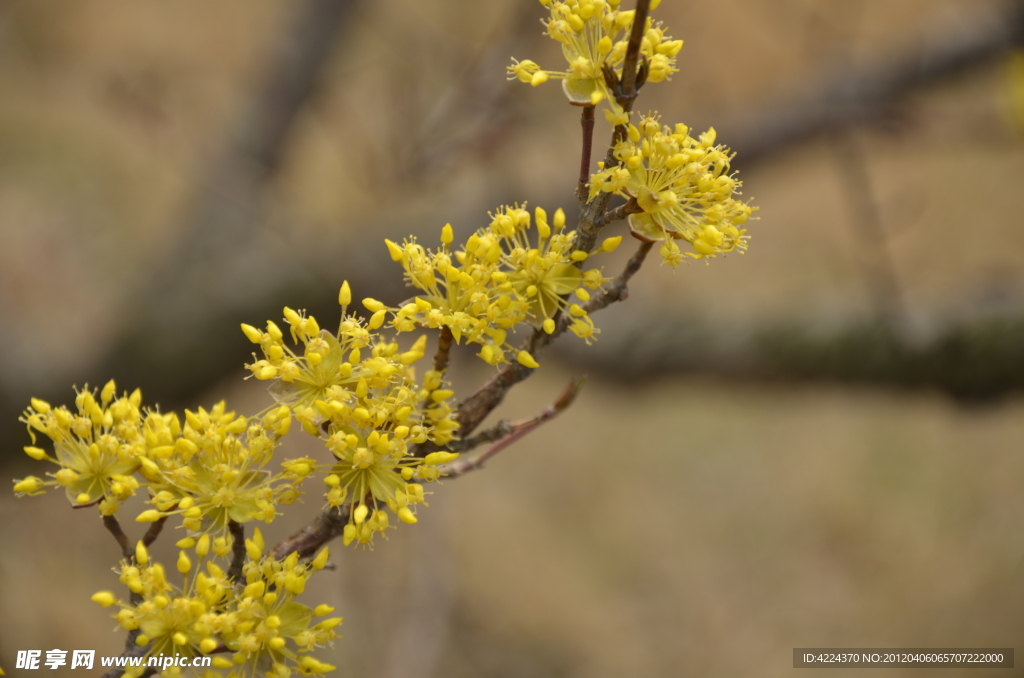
<point>971,360</point>
<point>219,267</point>
<point>865,93</point>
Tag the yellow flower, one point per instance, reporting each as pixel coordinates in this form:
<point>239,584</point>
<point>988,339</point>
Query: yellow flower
<point>214,470</point>
<point>497,280</point>
<point>683,186</point>
<point>98,447</point>
<point>594,35</point>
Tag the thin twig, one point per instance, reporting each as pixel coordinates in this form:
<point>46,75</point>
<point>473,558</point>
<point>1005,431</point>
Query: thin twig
<point>114,527</point>
<point>629,65</point>
<point>631,206</point>
<point>496,432</point>
<point>307,541</point>
<point>237,531</point>
<point>154,531</point>
<point>587,123</point>
<point>592,213</point>
<point>516,431</point>
<point>475,409</point>
<point>618,289</point>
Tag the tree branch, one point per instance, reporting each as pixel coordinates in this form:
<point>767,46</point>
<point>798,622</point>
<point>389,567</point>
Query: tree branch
<point>587,123</point>
<point>475,409</point>
<point>630,84</point>
<point>237,531</point>
<point>154,531</point>
<point>114,527</point>
<point>444,347</point>
<point>621,212</point>
<point>307,541</point>
<point>515,431</point>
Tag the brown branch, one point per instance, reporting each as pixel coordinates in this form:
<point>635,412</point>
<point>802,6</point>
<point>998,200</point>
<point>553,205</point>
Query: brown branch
<point>587,123</point>
<point>629,65</point>
<point>475,409</point>
<point>621,212</point>
<point>496,432</point>
<point>516,431</point>
<point>625,91</point>
<point>444,347</point>
<point>237,531</point>
<point>114,527</point>
<point>618,289</point>
<point>307,541</point>
<point>154,531</point>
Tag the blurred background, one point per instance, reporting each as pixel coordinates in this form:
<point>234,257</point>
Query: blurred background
<point>818,443</point>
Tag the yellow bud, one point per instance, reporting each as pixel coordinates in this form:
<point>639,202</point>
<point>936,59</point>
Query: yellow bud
<point>253,334</point>
<point>141,554</point>
<point>104,598</point>
<point>322,610</point>
<point>345,294</point>
<point>372,305</point>
<point>180,639</point>
<point>359,515</point>
<point>254,552</point>
<point>35,453</point>
<point>539,78</point>
<point>446,234</point>
<point>29,485</point>
<point>321,559</point>
<point>207,645</point>
<point>526,359</point>
<point>184,564</point>
<point>549,326</point>
<point>406,515</point>
<point>559,221</point>
<point>579,255</point>
<point>40,406</point>
<point>83,498</point>
<point>221,663</point>
<point>276,643</point>
<point>328,624</point>
<point>108,392</point>
<point>150,516</point>
<point>377,319</point>
<point>348,534</point>
<point>436,458</point>
<point>394,250</point>
<point>610,244</point>
<point>186,543</point>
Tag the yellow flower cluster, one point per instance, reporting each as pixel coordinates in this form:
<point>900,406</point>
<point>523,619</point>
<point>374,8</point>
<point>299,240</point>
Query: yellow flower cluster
<point>683,186</point>
<point>98,447</point>
<point>359,394</point>
<point>211,470</point>
<point>594,35</point>
<point>255,631</point>
<point>498,280</point>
